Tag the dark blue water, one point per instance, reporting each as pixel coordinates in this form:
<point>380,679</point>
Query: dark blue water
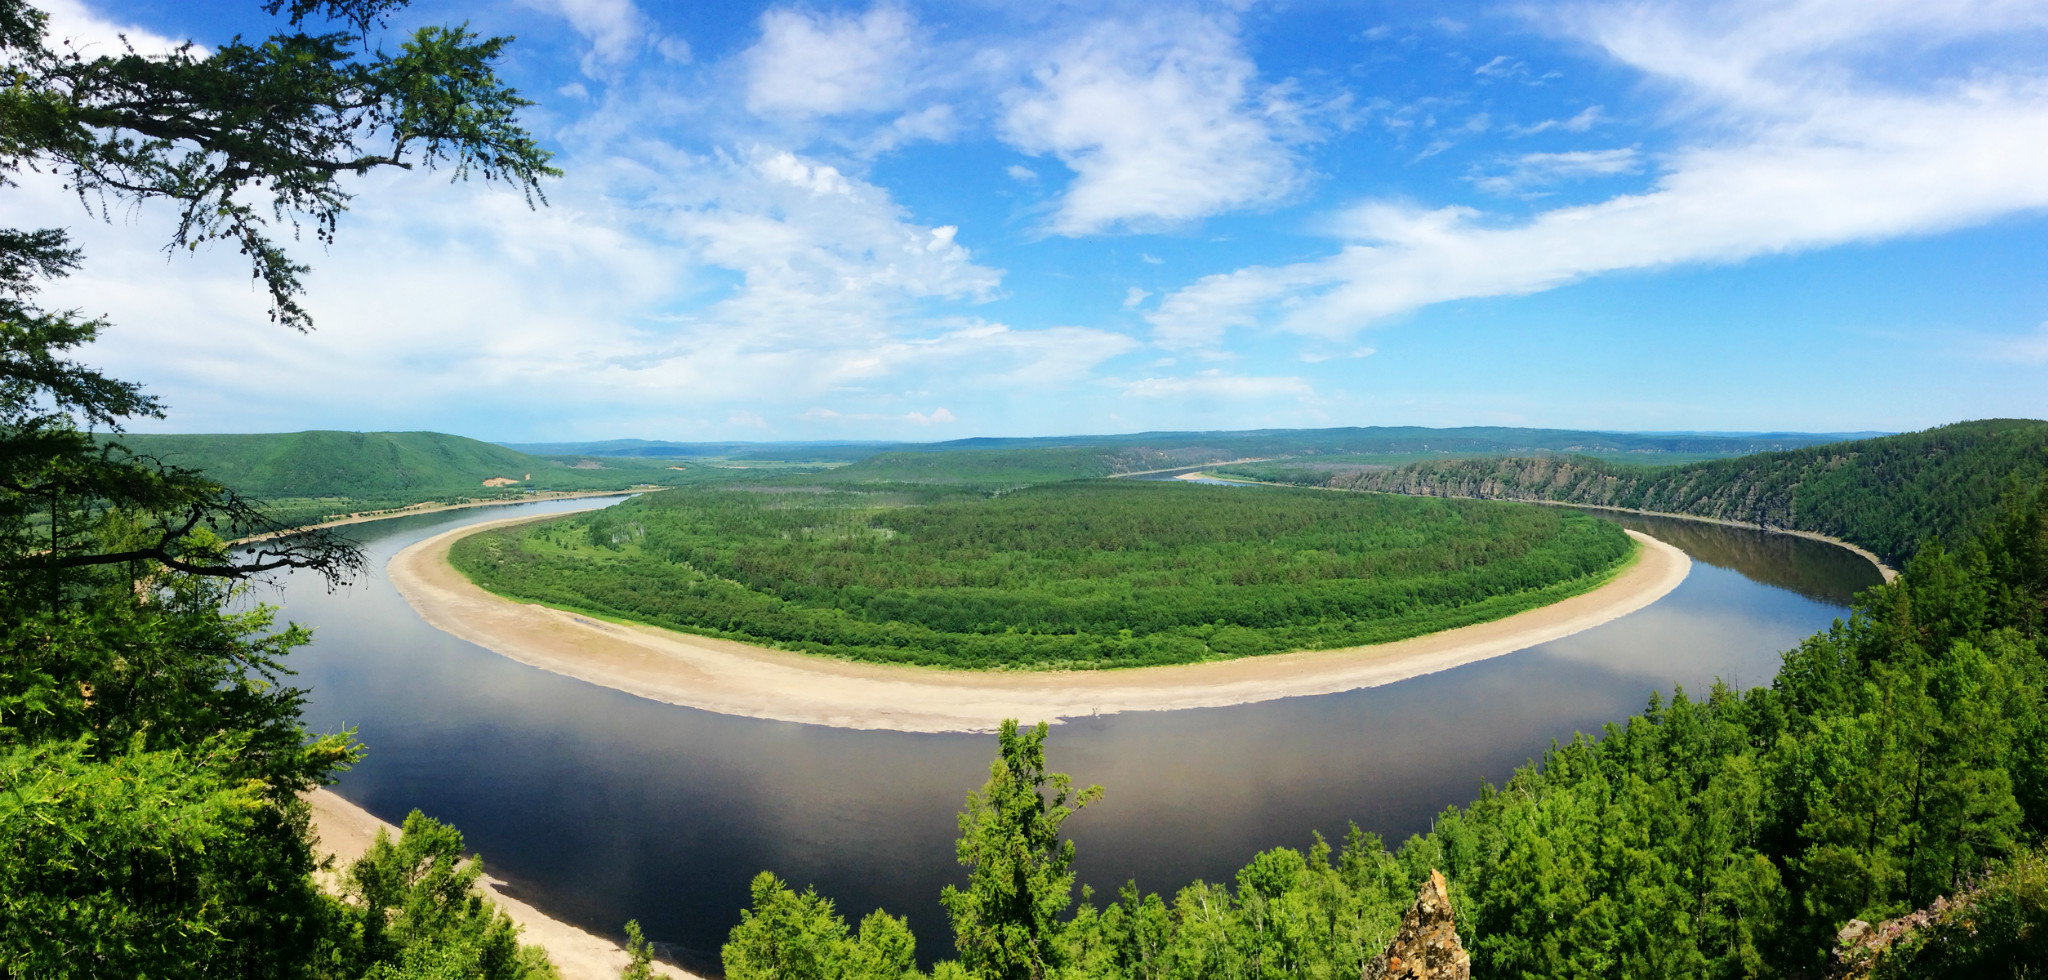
<point>598,806</point>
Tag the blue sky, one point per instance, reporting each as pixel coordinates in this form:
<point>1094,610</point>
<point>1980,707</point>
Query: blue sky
<point>935,221</point>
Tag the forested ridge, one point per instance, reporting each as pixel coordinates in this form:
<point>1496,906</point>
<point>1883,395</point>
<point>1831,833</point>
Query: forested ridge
<point>1897,762</point>
<point>1094,574</point>
<point>1889,494</point>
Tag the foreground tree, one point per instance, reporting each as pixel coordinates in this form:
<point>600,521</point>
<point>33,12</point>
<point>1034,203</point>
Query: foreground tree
<point>1007,923</point>
<point>151,752</point>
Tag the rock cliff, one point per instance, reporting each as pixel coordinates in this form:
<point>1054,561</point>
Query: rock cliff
<point>1427,946</point>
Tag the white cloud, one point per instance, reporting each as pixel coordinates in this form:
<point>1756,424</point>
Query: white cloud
<point>1133,297</point>
<point>617,31</point>
<point>1534,170</point>
<point>1022,174</point>
<point>757,282</point>
<point>821,64</point>
<point>1502,67</point>
<point>1586,119</point>
<point>1214,384</point>
<point>1319,356</point>
<point>1163,122</point>
<point>76,25</point>
<point>937,417</point>
<point>1796,151</point>
<point>2028,348</point>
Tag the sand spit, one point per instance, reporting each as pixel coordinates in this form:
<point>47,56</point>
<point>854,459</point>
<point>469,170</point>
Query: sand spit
<point>345,832</point>
<point>739,679</point>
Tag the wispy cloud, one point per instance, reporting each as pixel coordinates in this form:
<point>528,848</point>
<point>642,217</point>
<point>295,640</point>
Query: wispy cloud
<point>1795,151</point>
<point>1532,171</point>
<point>1216,384</point>
<point>616,30</point>
<point>1584,120</point>
<point>2027,348</point>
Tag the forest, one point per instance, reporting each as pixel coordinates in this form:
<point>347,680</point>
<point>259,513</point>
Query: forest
<point>1896,763</point>
<point>1888,494</point>
<point>1078,574</point>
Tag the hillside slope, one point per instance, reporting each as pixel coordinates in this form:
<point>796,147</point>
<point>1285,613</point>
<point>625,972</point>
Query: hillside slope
<point>1888,494</point>
<point>349,464</point>
<point>306,476</point>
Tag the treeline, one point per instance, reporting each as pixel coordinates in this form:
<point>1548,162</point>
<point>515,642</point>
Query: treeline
<point>1888,494</point>
<point>1897,758</point>
<point>1103,574</point>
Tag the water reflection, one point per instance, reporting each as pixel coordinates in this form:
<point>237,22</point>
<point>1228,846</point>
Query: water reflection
<point>600,807</point>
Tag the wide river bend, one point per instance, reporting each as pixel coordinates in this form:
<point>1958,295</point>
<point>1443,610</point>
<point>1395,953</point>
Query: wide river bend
<point>598,806</point>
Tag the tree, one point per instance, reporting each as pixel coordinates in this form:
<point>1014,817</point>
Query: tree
<point>151,749</point>
<point>1007,924</point>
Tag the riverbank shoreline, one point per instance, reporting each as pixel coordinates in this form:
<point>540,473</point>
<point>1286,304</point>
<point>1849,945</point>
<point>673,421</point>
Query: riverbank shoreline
<point>412,510</point>
<point>345,831</point>
<point>740,679</point>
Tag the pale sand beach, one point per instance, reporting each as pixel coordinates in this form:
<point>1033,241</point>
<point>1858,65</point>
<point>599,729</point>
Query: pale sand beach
<point>345,832</point>
<point>739,679</point>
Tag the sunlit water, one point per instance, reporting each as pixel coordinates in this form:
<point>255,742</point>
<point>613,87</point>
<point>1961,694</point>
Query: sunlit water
<point>599,806</point>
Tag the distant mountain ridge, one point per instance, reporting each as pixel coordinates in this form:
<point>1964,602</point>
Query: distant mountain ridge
<point>1246,442</point>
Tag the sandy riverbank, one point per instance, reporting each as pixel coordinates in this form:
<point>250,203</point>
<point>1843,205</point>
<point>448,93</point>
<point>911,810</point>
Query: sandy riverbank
<point>346,831</point>
<point>738,679</point>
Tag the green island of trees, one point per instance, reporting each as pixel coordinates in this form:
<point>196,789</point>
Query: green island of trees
<point>1074,575</point>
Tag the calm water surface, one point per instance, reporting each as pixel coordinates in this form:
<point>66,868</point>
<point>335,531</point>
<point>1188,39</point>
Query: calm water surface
<point>598,806</point>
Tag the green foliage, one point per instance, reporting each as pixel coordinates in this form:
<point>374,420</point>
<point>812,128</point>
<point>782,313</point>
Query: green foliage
<point>1006,923</point>
<point>1003,466</point>
<point>1888,494</point>
<point>787,936</point>
<point>145,863</point>
<point>1100,574</point>
<point>410,909</point>
<point>151,751</point>
<point>639,954</point>
<point>1897,758</point>
<point>1997,930</point>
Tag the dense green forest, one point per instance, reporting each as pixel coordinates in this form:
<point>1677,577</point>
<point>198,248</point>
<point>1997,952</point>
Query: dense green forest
<point>1888,494</point>
<point>1897,762</point>
<point>1105,573</point>
<point>302,477</point>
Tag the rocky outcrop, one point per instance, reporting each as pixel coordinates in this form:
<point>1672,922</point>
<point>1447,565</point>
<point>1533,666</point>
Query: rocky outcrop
<point>1427,946</point>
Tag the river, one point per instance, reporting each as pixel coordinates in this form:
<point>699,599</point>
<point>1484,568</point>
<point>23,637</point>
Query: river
<point>597,806</point>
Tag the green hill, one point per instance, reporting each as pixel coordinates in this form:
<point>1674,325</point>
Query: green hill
<point>1888,494</point>
<point>306,476</point>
